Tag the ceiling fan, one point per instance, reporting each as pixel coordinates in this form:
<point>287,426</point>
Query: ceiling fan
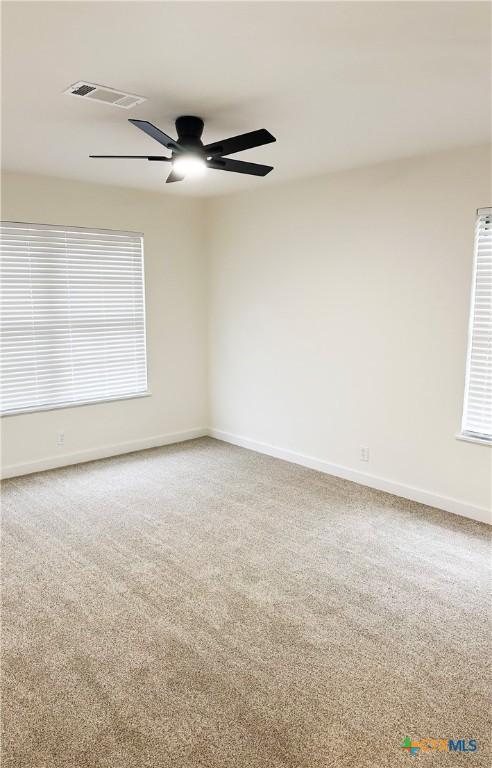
<point>190,157</point>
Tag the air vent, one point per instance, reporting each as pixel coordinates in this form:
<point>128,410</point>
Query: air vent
<point>104,95</point>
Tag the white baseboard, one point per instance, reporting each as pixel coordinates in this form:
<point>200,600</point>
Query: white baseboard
<point>456,506</point>
<point>104,452</point>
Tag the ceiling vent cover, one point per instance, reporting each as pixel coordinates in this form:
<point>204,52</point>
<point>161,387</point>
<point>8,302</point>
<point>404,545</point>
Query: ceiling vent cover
<point>104,95</point>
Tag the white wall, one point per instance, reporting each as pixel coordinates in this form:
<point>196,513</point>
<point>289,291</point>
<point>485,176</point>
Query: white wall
<point>338,310</point>
<point>176,332</point>
<point>338,318</point>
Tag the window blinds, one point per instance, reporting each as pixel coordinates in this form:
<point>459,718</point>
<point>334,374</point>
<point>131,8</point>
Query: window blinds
<point>477,413</point>
<point>73,316</point>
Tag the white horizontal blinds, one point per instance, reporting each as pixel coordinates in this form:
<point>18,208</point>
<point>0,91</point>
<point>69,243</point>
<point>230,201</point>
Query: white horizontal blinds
<point>73,316</point>
<point>477,416</point>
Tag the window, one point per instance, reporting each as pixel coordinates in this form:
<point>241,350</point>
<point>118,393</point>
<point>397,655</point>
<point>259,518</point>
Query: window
<point>73,316</point>
<point>477,412</point>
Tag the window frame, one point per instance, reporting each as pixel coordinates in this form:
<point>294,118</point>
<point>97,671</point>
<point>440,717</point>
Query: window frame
<point>97,401</point>
<point>464,434</point>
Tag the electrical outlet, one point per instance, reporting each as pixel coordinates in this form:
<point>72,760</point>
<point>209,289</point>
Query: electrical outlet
<point>364,453</point>
<point>60,438</point>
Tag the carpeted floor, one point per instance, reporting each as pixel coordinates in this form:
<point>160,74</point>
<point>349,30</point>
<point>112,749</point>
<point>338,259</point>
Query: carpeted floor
<point>204,606</point>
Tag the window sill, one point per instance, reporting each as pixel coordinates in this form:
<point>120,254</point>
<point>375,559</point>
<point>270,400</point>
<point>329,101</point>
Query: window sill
<point>472,439</point>
<point>40,409</point>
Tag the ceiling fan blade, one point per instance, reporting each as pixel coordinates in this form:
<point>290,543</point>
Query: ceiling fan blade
<point>238,166</point>
<point>173,176</point>
<point>136,157</point>
<point>239,143</point>
<point>157,134</point>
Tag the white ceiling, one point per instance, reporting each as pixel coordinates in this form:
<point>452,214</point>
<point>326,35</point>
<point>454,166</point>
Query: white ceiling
<point>339,84</point>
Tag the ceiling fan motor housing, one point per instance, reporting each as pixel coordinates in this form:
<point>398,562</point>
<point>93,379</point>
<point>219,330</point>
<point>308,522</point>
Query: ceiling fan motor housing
<point>189,130</point>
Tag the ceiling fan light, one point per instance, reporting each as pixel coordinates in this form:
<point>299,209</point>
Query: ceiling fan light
<point>189,166</point>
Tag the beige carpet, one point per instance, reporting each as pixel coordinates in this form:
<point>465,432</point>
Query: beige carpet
<point>203,606</point>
